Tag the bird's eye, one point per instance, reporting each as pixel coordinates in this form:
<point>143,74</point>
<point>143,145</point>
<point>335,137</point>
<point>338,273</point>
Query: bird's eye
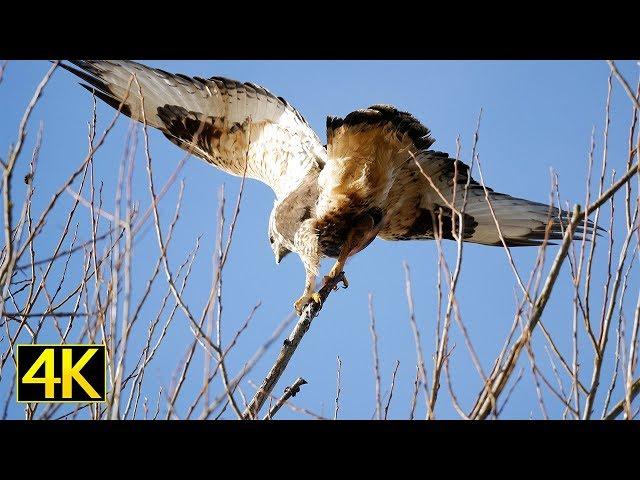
<point>270,238</point>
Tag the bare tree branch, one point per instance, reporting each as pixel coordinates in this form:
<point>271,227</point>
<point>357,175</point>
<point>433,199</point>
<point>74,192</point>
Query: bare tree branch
<point>289,347</point>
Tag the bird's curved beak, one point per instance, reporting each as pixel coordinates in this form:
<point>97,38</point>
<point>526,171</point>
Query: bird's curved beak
<point>282,252</point>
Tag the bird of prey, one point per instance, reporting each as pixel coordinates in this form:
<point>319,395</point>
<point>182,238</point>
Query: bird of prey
<point>376,177</point>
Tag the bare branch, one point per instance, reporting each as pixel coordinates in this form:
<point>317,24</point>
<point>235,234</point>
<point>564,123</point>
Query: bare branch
<point>289,392</point>
<point>289,347</point>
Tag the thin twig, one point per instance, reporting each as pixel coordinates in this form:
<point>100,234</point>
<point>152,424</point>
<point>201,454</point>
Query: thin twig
<point>393,384</point>
<point>339,369</point>
<point>376,358</point>
<point>289,392</point>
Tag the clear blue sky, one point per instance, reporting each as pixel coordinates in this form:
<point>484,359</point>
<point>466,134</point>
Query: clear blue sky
<point>536,115</point>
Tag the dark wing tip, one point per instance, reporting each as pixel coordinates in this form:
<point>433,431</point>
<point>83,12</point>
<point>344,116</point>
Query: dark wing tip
<point>108,99</point>
<point>87,74</point>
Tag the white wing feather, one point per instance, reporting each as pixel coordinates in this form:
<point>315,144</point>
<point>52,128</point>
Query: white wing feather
<point>246,124</point>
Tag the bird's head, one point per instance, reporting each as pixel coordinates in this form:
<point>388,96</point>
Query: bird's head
<point>276,240</point>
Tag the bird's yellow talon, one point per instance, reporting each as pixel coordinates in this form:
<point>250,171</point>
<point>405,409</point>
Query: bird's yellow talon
<point>331,277</point>
<point>305,299</point>
<point>327,279</point>
<point>299,305</point>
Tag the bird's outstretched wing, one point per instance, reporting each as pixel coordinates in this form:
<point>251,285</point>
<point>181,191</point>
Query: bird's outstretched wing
<point>225,122</point>
<point>439,183</point>
<point>381,155</point>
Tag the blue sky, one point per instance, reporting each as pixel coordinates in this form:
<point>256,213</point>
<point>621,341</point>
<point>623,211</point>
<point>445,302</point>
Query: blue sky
<point>536,116</point>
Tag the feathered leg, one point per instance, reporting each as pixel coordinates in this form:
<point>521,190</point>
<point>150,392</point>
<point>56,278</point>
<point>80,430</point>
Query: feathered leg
<point>338,267</point>
<point>306,245</point>
<point>362,233</point>
<point>309,293</point>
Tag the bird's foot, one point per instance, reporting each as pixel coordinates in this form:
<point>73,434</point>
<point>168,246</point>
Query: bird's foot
<point>305,299</point>
<point>340,276</point>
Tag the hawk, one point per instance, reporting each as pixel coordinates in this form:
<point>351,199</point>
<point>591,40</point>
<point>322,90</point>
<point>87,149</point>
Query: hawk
<point>376,176</point>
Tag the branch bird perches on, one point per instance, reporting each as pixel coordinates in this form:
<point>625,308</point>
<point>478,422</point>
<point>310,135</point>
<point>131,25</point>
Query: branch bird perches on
<point>289,347</point>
